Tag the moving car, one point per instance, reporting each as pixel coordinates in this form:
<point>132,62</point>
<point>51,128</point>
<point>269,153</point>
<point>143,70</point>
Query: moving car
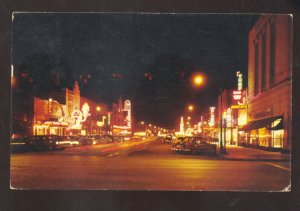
<point>193,145</point>
<point>49,142</point>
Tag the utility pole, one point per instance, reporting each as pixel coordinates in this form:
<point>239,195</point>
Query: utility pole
<point>202,127</point>
<point>221,123</point>
<point>224,149</point>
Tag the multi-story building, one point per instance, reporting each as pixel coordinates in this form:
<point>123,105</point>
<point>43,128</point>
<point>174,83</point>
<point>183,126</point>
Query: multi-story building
<point>67,113</point>
<point>269,83</point>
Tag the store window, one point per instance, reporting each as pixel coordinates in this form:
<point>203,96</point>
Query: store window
<point>254,137</point>
<point>264,137</point>
<point>277,136</point>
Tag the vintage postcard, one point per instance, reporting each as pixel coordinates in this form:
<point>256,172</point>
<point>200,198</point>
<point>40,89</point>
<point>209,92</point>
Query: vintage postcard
<point>142,101</point>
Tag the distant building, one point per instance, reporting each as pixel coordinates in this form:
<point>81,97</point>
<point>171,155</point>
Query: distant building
<point>121,117</point>
<point>63,112</point>
<point>269,83</point>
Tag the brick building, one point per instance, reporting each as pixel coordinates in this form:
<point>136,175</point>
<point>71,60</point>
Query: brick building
<point>269,83</point>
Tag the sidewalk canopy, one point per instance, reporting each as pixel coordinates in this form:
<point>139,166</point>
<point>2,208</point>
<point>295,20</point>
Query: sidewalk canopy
<point>264,123</point>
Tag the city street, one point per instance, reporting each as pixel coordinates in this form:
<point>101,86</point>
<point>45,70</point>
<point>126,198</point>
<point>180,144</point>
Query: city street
<point>142,165</point>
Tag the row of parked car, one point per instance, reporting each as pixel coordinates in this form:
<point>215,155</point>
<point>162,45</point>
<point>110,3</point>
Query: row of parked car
<point>193,145</point>
<point>52,142</point>
<point>190,144</point>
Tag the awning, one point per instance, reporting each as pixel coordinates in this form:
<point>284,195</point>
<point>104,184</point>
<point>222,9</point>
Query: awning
<point>264,123</point>
<point>278,126</point>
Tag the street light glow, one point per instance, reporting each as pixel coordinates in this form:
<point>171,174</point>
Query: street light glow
<point>191,107</point>
<point>198,80</point>
<point>98,108</point>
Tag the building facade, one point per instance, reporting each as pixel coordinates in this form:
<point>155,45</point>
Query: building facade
<point>121,117</point>
<point>269,83</point>
<point>227,118</point>
<point>67,113</point>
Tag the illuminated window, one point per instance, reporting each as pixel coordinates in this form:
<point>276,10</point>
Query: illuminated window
<point>277,135</point>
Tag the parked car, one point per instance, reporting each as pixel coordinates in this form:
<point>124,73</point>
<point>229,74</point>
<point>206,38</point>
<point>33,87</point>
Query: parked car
<point>18,144</point>
<point>167,139</point>
<point>193,145</point>
<point>74,140</point>
<point>85,140</point>
<point>49,142</point>
<point>136,138</point>
<point>107,139</point>
<point>118,138</point>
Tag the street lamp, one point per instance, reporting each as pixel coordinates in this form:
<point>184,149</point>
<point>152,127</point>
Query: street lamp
<point>198,79</point>
<point>98,109</point>
<point>222,148</point>
<point>190,107</point>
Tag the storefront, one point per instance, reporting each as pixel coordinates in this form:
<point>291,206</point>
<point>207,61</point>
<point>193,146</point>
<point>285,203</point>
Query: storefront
<point>265,133</point>
<point>50,128</point>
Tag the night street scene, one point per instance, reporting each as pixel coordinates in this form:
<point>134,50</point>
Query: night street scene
<point>142,101</point>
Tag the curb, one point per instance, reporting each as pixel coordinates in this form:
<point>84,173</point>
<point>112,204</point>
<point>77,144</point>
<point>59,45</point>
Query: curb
<point>257,159</point>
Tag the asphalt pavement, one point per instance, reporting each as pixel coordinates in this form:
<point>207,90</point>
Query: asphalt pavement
<point>146,165</point>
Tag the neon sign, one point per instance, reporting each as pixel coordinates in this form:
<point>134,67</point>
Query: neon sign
<point>237,95</point>
<point>212,116</point>
<point>80,116</point>
<point>238,106</point>
<point>127,107</point>
<point>240,80</point>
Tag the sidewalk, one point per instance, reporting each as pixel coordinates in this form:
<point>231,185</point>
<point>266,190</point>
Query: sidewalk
<point>250,154</point>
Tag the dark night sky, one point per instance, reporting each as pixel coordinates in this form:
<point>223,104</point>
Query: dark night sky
<point>118,49</point>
